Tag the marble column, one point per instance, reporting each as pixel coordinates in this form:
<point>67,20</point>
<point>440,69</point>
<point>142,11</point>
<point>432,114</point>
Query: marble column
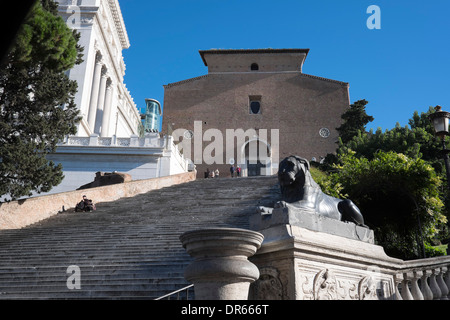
<point>101,101</point>
<point>94,92</point>
<point>107,109</point>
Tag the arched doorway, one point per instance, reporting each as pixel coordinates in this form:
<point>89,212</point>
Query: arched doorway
<point>256,154</point>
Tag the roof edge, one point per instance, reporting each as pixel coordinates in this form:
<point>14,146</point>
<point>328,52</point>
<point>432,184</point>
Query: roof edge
<point>249,51</point>
<point>345,84</point>
<point>185,81</point>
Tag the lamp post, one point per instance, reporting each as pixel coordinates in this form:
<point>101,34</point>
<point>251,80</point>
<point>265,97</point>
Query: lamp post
<point>440,122</point>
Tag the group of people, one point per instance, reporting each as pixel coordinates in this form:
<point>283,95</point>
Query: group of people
<point>234,170</point>
<point>212,174</point>
<point>215,173</point>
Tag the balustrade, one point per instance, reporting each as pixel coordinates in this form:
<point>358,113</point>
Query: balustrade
<point>423,283</point>
<point>152,141</point>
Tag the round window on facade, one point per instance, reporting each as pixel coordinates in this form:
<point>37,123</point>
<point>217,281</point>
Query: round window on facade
<point>324,132</point>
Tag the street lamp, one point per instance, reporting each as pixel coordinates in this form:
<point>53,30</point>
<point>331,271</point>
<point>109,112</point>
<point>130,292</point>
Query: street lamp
<point>440,121</point>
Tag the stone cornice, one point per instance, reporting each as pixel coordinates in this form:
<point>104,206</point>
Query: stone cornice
<point>119,23</point>
<point>114,10</point>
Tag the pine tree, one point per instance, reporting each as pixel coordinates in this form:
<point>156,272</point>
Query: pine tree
<point>355,119</point>
<point>37,106</point>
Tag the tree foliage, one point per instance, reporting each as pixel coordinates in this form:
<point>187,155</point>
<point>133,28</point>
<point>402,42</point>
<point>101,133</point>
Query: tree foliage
<point>416,141</point>
<point>37,106</point>
<point>395,177</point>
<point>355,119</point>
<point>399,197</point>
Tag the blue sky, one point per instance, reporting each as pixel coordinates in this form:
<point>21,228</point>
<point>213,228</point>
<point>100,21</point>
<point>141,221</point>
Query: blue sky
<point>400,68</point>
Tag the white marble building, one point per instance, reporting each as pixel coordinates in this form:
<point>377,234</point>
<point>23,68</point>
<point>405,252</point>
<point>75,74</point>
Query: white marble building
<point>105,103</point>
<point>107,139</point>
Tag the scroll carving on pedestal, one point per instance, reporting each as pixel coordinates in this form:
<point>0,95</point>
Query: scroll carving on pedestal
<point>367,289</point>
<point>325,286</point>
<point>268,286</point>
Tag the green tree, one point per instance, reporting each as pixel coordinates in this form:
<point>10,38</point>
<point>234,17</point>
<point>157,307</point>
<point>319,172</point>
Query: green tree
<point>37,106</point>
<point>418,143</point>
<point>355,119</point>
<point>398,196</point>
<point>416,140</point>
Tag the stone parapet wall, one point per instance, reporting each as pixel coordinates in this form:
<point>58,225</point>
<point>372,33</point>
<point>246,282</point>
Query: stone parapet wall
<point>22,213</point>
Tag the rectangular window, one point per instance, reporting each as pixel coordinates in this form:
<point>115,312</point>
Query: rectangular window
<point>254,104</point>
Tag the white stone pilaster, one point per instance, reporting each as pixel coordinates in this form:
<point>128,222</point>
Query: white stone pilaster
<point>107,110</point>
<point>101,101</point>
<point>94,93</point>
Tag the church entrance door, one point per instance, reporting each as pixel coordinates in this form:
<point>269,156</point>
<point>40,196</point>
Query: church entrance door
<point>257,158</point>
<point>254,169</point>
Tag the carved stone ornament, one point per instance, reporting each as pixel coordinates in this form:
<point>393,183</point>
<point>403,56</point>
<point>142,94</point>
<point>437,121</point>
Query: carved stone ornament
<point>87,20</point>
<point>347,290</point>
<point>367,289</point>
<point>99,58</point>
<point>268,286</point>
<point>325,286</point>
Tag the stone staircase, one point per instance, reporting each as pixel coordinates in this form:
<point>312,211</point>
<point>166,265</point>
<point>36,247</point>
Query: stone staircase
<point>127,249</point>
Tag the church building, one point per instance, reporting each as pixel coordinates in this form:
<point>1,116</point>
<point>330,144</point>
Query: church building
<point>261,94</point>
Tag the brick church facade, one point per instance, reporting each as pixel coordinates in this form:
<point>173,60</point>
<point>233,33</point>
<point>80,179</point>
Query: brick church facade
<point>264,92</point>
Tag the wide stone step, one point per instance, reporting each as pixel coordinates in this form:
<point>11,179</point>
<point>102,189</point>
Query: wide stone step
<point>58,286</point>
<point>154,263</point>
<point>137,249</point>
<point>87,294</point>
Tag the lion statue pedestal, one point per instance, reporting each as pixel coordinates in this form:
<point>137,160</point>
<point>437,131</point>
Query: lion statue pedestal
<point>309,219</point>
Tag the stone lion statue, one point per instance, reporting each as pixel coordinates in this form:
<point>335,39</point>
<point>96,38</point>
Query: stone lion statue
<point>298,189</point>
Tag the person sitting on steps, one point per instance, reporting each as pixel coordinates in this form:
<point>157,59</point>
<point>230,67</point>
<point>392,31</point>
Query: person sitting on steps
<point>85,205</point>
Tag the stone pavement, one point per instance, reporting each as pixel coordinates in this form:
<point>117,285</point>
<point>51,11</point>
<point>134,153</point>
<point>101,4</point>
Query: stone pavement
<point>126,249</point>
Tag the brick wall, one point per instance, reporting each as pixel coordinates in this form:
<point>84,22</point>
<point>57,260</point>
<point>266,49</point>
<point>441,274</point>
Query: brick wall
<point>297,104</point>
